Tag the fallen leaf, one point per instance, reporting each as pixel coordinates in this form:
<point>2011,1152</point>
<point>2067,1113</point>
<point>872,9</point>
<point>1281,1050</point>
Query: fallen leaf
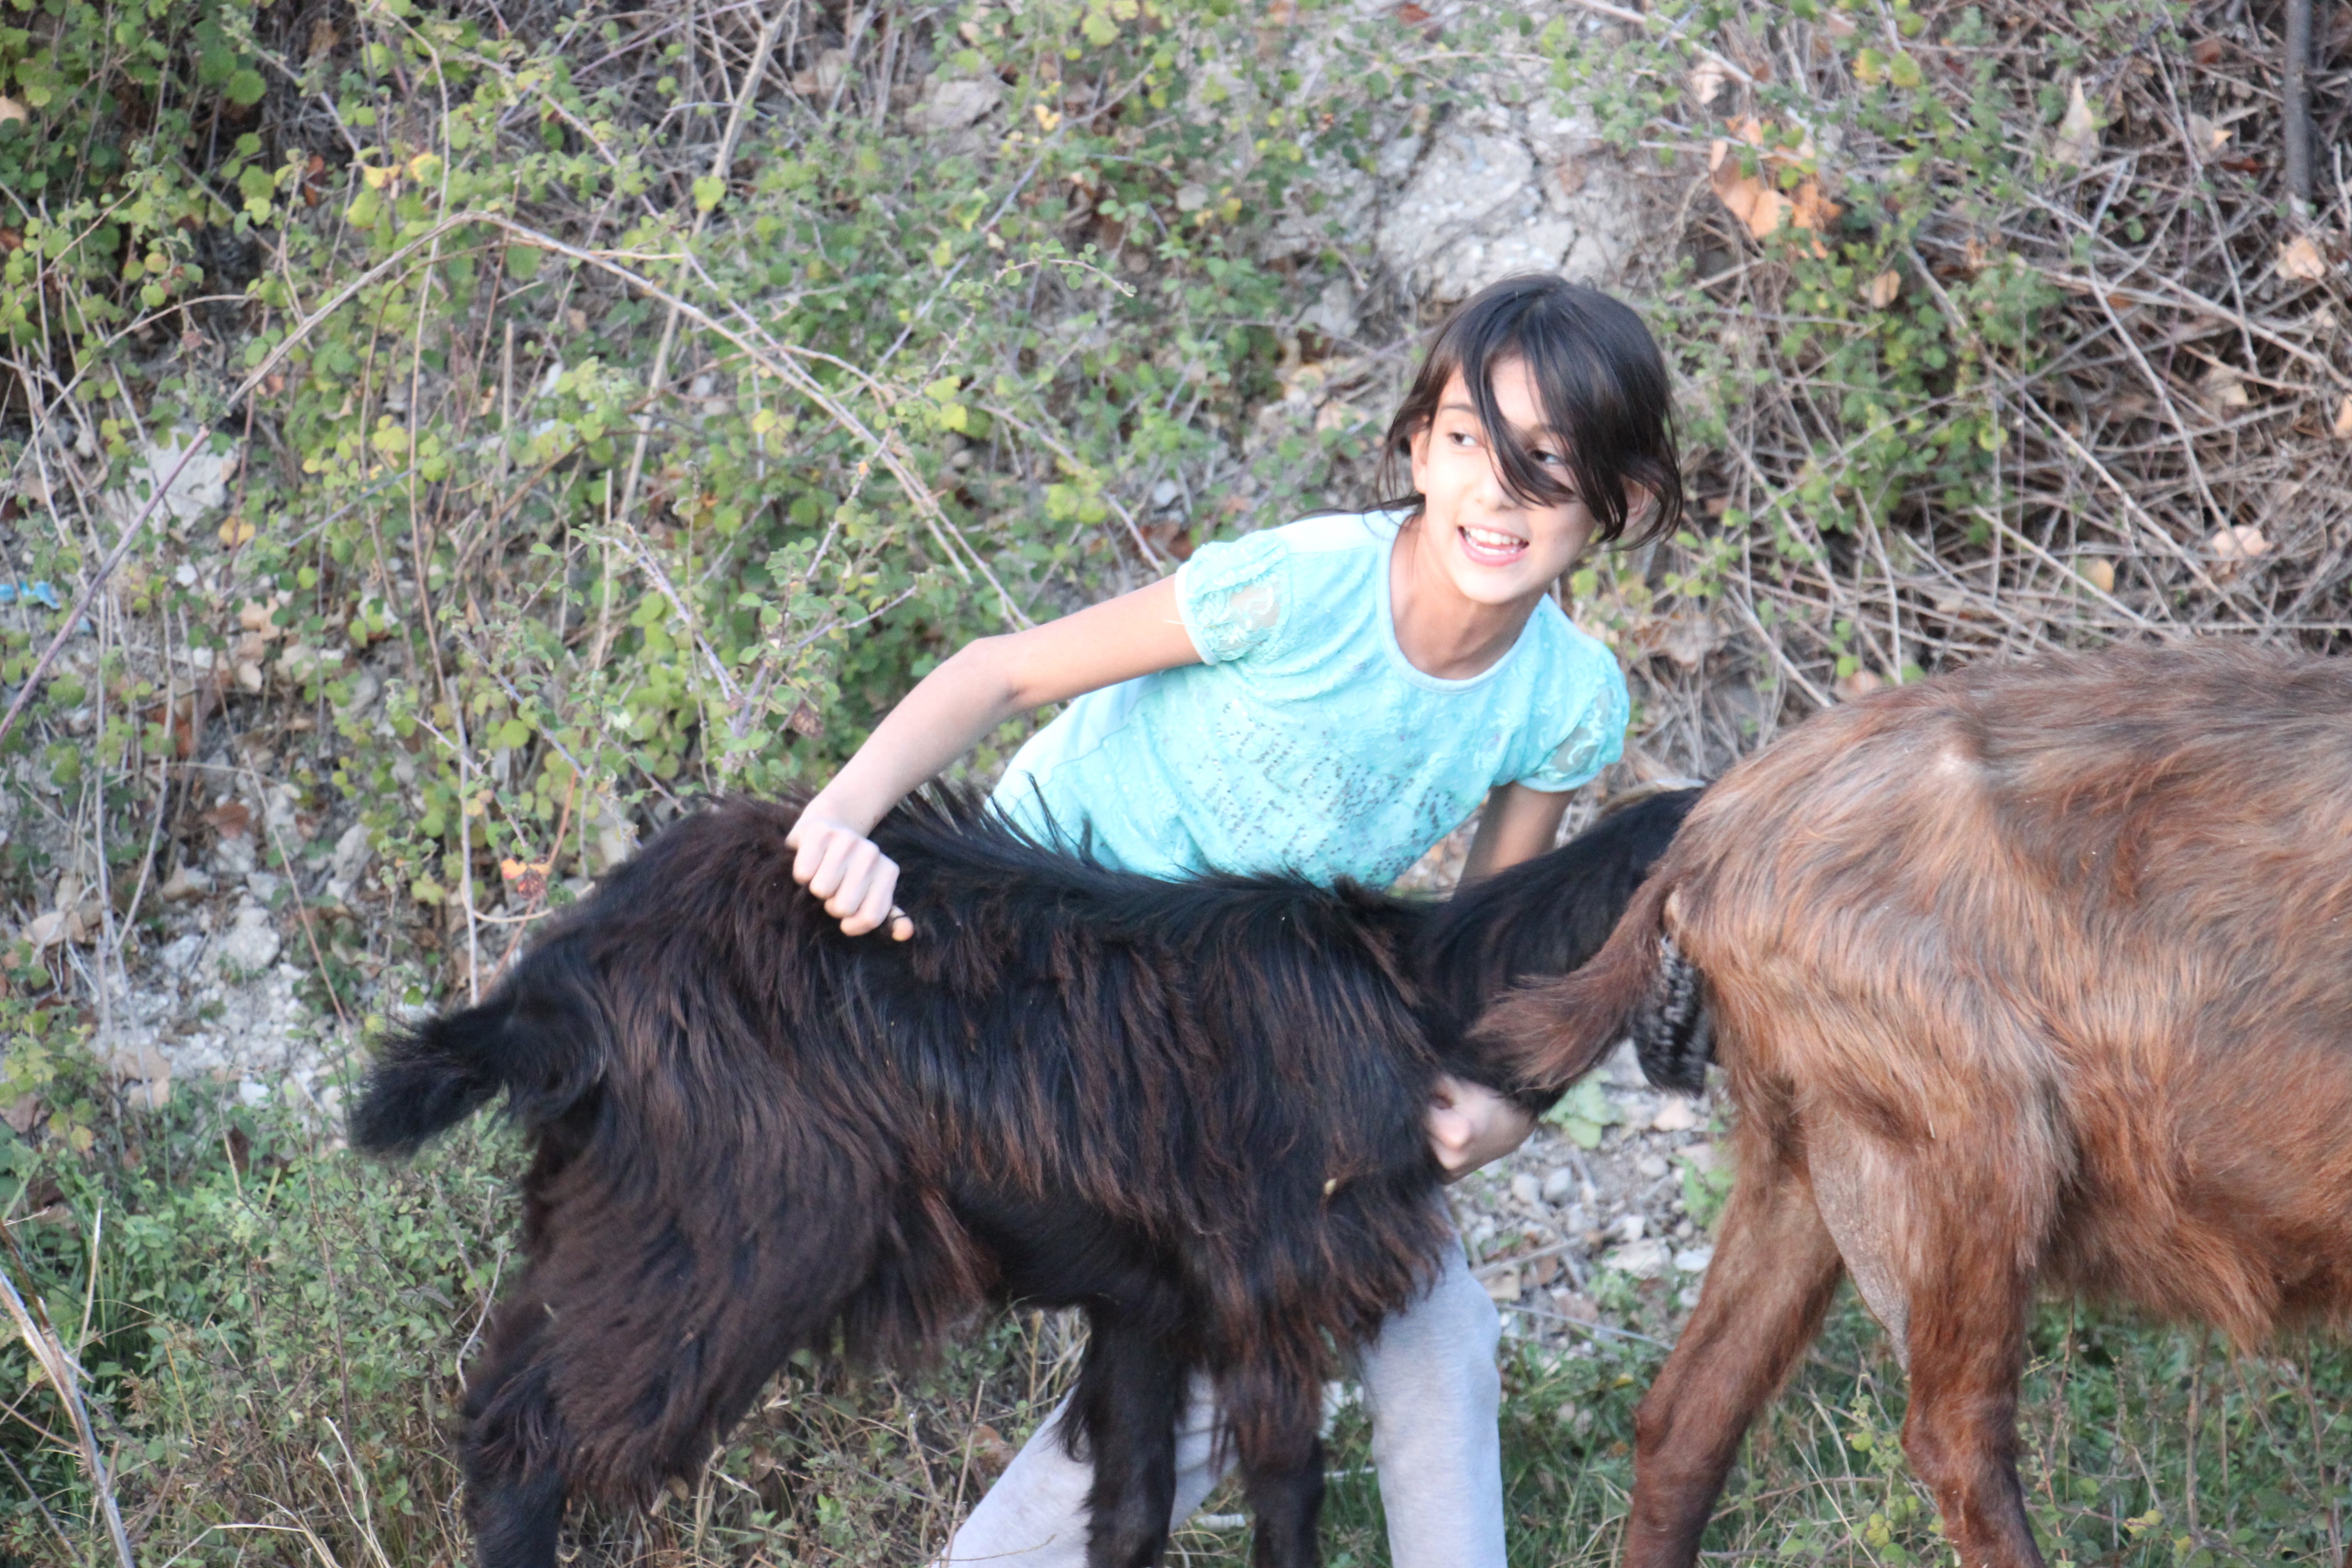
<point>45,930</point>
<point>1707,82</point>
<point>231,819</point>
<point>2233,547</point>
<point>2222,387</point>
<point>1504,1287</point>
<point>12,110</point>
<point>2300,259</point>
<point>990,1452</point>
<point>2099,572</point>
<point>1860,684</point>
<point>527,880</point>
<point>2078,132</point>
<point>2343,426</point>
<point>1412,15</point>
<point>2206,51</point>
<point>806,720</point>
<point>1749,197</point>
<point>1882,289</point>
<point>235,532</point>
<point>2206,137</point>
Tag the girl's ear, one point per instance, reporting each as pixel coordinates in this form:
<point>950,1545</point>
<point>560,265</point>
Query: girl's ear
<point>1640,500</point>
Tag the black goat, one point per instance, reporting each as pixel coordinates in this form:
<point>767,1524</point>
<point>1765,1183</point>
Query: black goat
<point>1195,1108</point>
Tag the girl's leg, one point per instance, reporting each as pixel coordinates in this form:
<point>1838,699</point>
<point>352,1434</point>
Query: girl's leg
<point>1036,1514</point>
<point>1436,1401</point>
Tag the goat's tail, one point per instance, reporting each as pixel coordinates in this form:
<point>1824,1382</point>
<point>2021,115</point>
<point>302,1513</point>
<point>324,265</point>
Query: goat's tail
<point>1553,1032</point>
<point>537,1037</point>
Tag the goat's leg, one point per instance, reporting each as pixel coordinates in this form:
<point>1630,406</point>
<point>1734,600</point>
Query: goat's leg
<point>1275,1406</point>
<point>1775,1272</point>
<point>1130,1396</point>
<point>1931,1232</point>
<point>1967,1342</point>
<point>1284,1482</point>
<point>515,1485</point>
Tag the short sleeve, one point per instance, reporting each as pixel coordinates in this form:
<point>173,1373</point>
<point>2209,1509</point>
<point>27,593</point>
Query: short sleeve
<point>1595,739</point>
<point>1234,594</point>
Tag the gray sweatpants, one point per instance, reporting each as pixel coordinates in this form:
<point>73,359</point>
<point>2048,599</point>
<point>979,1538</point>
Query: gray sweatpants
<point>1434,1395</point>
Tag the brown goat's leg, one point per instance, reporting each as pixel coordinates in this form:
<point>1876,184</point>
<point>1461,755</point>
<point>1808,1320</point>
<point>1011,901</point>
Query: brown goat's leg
<point>1967,1345</point>
<point>1774,1273</point>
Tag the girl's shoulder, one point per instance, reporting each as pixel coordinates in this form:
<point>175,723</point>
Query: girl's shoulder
<point>1238,595</point>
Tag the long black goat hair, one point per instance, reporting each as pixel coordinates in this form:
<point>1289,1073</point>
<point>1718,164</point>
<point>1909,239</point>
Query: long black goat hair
<point>1194,1108</point>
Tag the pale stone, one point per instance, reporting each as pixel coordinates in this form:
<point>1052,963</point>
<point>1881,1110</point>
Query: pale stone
<point>1560,1185</point>
<point>1527,1187</point>
<point>251,944</point>
<point>187,882</point>
<point>1694,1261</point>
<point>1644,1260</point>
<point>1676,1115</point>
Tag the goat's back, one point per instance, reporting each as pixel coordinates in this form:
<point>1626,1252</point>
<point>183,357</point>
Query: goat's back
<point>2093,914</point>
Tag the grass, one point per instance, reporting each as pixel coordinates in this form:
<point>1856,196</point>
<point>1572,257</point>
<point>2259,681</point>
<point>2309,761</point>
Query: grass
<point>272,1329</point>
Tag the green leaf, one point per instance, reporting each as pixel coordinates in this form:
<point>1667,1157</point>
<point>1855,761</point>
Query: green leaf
<point>707,192</point>
<point>246,87</point>
<point>513,734</point>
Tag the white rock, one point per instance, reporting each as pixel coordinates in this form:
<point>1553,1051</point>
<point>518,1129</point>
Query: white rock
<point>1650,1165</point>
<point>1676,1115</point>
<point>251,944</point>
<point>1628,1229</point>
<point>187,882</point>
<point>262,885</point>
<point>1527,1187</point>
<point>1466,179</point>
<point>956,103</point>
<point>201,487</point>
<point>1642,1259</point>
<point>1694,1261</point>
<point>233,855</point>
<point>353,853</point>
<point>180,954</point>
<point>1560,1186</point>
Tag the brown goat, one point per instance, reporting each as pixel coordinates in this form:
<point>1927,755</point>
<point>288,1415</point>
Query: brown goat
<point>2034,977</point>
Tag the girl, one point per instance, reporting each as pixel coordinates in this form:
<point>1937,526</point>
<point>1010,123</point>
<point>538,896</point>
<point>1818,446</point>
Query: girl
<point>1329,699</point>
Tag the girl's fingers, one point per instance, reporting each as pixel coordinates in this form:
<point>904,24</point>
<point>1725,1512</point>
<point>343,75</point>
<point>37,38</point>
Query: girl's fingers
<point>876,906</point>
<point>901,928</point>
<point>849,887</point>
<point>833,854</point>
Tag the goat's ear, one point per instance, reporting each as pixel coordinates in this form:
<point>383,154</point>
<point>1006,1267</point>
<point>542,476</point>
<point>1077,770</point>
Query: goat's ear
<point>1532,1037</point>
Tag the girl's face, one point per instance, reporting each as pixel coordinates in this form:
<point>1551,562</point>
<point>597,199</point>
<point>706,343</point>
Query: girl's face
<point>1494,548</point>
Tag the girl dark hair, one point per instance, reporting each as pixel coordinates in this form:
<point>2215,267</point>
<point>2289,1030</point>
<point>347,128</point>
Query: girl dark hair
<point>1603,387</point>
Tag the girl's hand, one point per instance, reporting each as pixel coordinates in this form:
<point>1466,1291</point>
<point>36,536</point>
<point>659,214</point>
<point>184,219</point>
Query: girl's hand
<point>849,872</point>
<point>1470,1125</point>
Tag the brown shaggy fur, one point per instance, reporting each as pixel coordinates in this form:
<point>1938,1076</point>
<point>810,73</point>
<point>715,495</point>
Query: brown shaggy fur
<point>2034,977</point>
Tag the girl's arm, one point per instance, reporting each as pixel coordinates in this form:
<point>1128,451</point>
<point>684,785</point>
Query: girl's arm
<point>1517,824</point>
<point>984,683</point>
<point>1470,1125</point>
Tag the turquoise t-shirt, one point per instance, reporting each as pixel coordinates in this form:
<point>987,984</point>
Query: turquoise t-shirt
<point>1305,741</point>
